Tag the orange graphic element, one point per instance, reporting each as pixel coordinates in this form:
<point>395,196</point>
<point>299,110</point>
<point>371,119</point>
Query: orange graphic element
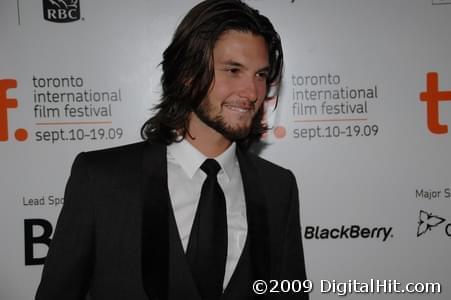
<point>21,134</point>
<point>280,132</point>
<point>432,96</point>
<point>6,103</point>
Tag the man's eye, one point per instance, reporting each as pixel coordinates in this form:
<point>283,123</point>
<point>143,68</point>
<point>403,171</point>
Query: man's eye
<point>262,75</point>
<point>233,70</point>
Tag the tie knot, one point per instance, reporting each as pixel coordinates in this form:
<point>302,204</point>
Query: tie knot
<point>210,167</point>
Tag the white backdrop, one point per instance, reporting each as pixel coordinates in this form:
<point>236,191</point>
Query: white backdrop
<point>374,180</point>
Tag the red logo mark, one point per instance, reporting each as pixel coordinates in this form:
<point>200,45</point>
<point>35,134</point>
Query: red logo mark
<point>6,103</point>
<point>432,96</point>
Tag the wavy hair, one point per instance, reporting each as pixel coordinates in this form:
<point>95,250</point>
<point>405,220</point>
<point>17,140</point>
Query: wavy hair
<point>188,66</point>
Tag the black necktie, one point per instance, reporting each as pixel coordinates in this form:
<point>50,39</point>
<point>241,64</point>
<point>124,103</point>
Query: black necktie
<point>207,246</point>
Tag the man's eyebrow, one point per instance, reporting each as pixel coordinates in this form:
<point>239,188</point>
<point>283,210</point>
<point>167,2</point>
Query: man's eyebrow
<point>233,63</point>
<point>264,69</point>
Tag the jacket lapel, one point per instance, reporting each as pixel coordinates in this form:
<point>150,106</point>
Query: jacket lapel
<point>155,216</point>
<point>257,218</point>
<point>166,274</point>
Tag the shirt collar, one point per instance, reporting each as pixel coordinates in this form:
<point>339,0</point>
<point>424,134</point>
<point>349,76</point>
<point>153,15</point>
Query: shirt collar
<point>190,159</point>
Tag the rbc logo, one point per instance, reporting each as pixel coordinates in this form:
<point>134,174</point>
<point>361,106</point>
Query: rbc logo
<point>432,96</point>
<point>5,104</point>
<point>61,11</point>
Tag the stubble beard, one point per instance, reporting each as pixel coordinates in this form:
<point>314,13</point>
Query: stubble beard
<point>203,112</point>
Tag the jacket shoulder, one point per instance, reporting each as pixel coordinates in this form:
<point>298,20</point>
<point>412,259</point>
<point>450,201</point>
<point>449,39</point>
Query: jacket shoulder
<point>114,152</point>
<point>117,160</point>
<point>267,167</point>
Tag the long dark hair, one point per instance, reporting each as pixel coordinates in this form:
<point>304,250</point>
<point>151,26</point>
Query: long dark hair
<point>188,66</point>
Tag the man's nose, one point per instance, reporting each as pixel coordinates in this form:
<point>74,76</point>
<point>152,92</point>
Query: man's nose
<point>249,89</point>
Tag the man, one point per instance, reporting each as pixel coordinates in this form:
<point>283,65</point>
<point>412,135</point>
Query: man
<point>157,220</point>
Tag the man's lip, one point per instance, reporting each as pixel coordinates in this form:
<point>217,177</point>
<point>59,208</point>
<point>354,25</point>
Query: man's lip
<point>240,107</point>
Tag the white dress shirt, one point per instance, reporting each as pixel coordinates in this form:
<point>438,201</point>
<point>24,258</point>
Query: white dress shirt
<point>185,179</point>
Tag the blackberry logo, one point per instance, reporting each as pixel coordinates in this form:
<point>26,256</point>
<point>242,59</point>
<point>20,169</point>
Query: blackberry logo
<point>348,232</point>
<point>61,11</point>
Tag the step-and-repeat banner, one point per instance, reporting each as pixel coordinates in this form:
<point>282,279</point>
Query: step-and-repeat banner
<point>362,121</point>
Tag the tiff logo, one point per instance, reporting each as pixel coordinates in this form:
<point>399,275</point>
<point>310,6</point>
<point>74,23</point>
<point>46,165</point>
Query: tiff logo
<point>432,96</point>
<point>5,104</point>
<point>61,11</point>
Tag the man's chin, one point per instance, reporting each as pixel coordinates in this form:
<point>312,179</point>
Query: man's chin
<point>236,135</point>
<point>232,133</point>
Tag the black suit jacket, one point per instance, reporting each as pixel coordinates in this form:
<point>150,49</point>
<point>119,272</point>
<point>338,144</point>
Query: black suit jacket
<point>116,236</point>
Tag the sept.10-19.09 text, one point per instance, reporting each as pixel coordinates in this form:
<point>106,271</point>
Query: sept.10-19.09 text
<point>78,134</point>
<point>336,131</point>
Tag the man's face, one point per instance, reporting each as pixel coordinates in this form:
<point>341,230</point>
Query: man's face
<point>239,87</point>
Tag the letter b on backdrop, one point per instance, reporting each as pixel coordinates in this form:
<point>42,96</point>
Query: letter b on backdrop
<point>31,240</point>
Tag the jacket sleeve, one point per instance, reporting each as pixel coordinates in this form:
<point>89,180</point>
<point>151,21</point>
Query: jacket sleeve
<point>68,266</point>
<point>293,265</point>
